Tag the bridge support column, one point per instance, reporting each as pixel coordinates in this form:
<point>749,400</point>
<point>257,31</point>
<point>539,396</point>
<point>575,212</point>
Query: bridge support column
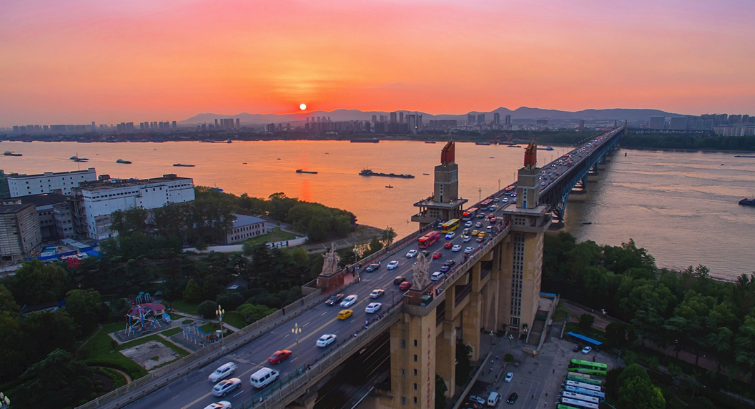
<point>413,360</point>
<point>471,320</point>
<point>491,296</point>
<point>446,356</point>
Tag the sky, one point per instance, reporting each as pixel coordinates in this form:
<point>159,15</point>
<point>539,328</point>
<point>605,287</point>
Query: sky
<point>110,61</point>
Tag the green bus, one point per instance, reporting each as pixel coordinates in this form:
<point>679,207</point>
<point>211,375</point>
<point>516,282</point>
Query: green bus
<point>562,406</point>
<point>587,367</point>
<point>579,377</point>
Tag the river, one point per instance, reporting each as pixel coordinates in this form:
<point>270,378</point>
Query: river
<point>682,207</point>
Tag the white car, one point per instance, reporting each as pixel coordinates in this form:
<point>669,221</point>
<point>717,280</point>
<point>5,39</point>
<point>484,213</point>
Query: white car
<point>372,307</point>
<point>505,200</point>
<point>223,404</point>
<point>326,340</point>
<point>223,387</point>
<point>450,235</point>
<point>411,253</point>
<point>509,377</point>
<point>393,264</point>
<point>377,293</point>
<point>349,301</point>
<point>467,238</point>
<point>468,250</point>
<point>456,247</point>
<point>468,224</point>
<point>436,276</point>
<point>223,371</point>
<point>586,350</point>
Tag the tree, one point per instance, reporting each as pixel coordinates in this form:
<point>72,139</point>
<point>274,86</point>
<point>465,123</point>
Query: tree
<point>37,283</point>
<point>375,245</point>
<point>252,313</point>
<point>463,362</point>
<point>508,358</point>
<point>636,390</point>
<point>55,382</point>
<point>207,308</point>
<point>745,347</point>
<point>440,392</point>
<point>7,302</point>
<point>84,307</point>
<point>616,334</point>
<point>586,321</point>
<point>192,293</point>
<point>388,235</point>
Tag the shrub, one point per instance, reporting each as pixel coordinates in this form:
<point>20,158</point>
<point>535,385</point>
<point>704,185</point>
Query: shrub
<point>207,309</point>
<point>508,358</point>
<point>586,321</point>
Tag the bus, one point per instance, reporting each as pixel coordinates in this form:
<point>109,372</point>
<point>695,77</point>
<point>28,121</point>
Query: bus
<point>469,214</point>
<point>587,367</point>
<point>485,204</point>
<point>584,386</point>
<point>562,406</point>
<point>429,239</point>
<point>580,377</point>
<point>577,396</point>
<point>450,225</point>
<point>579,403</point>
<point>582,391</point>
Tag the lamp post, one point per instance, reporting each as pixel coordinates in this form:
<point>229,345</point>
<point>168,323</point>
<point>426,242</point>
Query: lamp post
<point>219,313</point>
<point>296,330</point>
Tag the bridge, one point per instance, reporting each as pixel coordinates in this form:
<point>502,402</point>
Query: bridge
<point>492,284</point>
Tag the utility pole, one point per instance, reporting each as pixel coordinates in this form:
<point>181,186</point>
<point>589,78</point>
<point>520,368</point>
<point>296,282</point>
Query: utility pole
<point>296,330</point>
<point>219,313</point>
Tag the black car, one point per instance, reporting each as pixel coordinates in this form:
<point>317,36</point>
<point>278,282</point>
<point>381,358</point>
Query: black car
<point>373,267</point>
<point>449,263</point>
<point>399,279</point>
<point>512,398</point>
<point>576,348</point>
<point>333,300</point>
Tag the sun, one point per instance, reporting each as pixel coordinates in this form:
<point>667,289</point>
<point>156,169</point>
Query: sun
<point>303,107</point>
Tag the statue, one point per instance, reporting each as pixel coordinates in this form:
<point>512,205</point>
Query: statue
<point>421,273</point>
<point>330,261</point>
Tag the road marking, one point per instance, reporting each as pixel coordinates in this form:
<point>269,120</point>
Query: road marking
<point>324,313</point>
<point>305,324</point>
<point>294,359</point>
<point>240,392</point>
<point>286,335</point>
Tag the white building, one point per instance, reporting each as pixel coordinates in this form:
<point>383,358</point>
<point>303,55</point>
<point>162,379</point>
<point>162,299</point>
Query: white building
<point>245,227</point>
<point>95,201</point>
<point>49,182</point>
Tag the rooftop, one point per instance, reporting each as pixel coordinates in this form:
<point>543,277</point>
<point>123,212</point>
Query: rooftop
<point>116,183</point>
<point>72,172</point>
<point>44,199</point>
<point>243,220</point>
<point>13,208</point>
<point>431,203</point>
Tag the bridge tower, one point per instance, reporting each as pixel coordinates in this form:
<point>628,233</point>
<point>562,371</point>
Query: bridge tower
<point>522,254</point>
<point>445,203</point>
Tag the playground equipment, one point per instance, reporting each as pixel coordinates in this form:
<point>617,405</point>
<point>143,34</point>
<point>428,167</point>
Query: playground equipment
<point>195,334</point>
<point>140,319</point>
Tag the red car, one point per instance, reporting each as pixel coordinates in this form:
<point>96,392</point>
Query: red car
<point>437,255</point>
<point>448,245</point>
<point>405,286</point>
<point>279,356</point>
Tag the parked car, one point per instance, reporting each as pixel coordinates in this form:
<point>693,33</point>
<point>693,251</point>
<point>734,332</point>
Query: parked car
<point>223,387</point>
<point>326,340</point>
<point>512,398</point>
<point>393,264</point>
<point>405,286</point>
<point>349,301</point>
<point>586,350</point>
<point>279,356</point>
<point>509,377</point>
<point>223,371</point>
<point>477,399</point>
<point>576,348</point>
<point>372,307</point>
<point>377,293</point>
<point>335,299</point>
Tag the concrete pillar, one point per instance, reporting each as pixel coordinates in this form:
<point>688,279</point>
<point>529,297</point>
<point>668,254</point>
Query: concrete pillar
<point>413,360</point>
<point>471,320</point>
<point>446,356</point>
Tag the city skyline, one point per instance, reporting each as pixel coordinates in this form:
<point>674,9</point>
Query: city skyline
<point>83,60</point>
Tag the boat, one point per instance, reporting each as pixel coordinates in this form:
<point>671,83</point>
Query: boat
<point>389,187</point>
<point>9,153</point>
<point>126,162</point>
<point>373,140</point>
<point>369,172</point>
<point>482,143</point>
<point>228,141</point>
<point>279,159</point>
<point>545,148</point>
<point>430,142</point>
<point>586,222</point>
<point>744,156</point>
<point>426,174</point>
<point>311,172</point>
<point>244,163</point>
<point>183,165</point>
<point>216,189</point>
<point>513,146</point>
<point>76,158</point>
<point>747,202</point>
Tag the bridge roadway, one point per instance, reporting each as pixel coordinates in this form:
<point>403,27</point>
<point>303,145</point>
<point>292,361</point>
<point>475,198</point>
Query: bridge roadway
<point>194,390</point>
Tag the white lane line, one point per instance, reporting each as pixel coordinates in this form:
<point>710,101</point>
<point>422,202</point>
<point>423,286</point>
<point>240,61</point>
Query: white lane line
<point>240,392</point>
<point>286,335</point>
<point>174,397</point>
<point>305,324</point>
<point>294,359</point>
<point>324,313</point>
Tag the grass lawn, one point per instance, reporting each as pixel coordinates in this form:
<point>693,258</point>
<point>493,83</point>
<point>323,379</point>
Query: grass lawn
<point>97,352</point>
<point>235,320</point>
<point>210,327</point>
<point>172,331</point>
<point>185,307</point>
<point>561,312</point>
<point>185,322</point>
<point>275,235</point>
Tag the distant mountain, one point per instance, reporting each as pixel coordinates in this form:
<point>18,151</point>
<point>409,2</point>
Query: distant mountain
<point>519,113</point>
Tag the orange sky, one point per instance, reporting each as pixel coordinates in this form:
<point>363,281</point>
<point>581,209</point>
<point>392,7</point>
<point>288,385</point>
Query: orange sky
<point>75,61</point>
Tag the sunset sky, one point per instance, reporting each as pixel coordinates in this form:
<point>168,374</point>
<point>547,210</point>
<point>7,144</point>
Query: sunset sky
<point>75,61</point>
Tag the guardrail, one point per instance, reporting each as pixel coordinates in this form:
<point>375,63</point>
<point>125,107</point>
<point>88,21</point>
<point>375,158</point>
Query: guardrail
<point>160,377</point>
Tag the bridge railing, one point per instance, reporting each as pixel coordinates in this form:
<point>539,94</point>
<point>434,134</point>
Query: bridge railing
<point>294,384</point>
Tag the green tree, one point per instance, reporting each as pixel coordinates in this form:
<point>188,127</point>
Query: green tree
<point>192,293</point>
<point>55,382</point>
<point>463,362</point>
<point>252,313</point>
<point>7,302</point>
<point>128,221</point>
<point>440,392</point>
<point>636,390</point>
<point>207,309</point>
<point>375,245</point>
<point>616,334</point>
<point>388,235</point>
<point>37,283</point>
<point>508,358</point>
<point>84,307</point>
<point>586,321</point>
<point>745,347</point>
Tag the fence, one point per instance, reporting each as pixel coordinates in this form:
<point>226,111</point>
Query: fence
<point>164,375</point>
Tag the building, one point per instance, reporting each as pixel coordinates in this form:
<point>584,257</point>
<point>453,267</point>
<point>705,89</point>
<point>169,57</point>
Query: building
<point>4,189</point>
<point>54,214</point>
<point>93,202</point>
<point>678,123</point>
<point>657,122</point>
<point>393,117</point>
<point>19,232</point>
<point>581,126</point>
<point>508,120</point>
<point>245,227</point>
<point>470,119</point>
<point>49,182</point>
<point>480,119</point>
<point>445,203</point>
<point>496,118</point>
<point>401,117</point>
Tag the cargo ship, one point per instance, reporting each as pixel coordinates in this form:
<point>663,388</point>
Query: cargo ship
<point>545,148</point>
<point>744,156</point>
<point>126,162</point>
<point>482,143</point>
<point>183,165</point>
<point>369,172</point>
<point>9,153</point>
<point>311,172</point>
<point>747,202</point>
<point>373,140</point>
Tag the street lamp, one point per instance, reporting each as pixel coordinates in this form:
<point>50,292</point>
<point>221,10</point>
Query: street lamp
<point>296,331</point>
<point>219,313</point>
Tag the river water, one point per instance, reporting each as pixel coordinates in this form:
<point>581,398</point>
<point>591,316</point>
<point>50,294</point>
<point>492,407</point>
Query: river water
<point>682,207</point>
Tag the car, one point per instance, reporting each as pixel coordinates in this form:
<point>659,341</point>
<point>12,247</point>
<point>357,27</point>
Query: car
<point>326,340</point>
<point>411,253</point>
<point>398,280</point>
<point>447,245</point>
<point>444,269</point>
<point>512,398</point>
<point>223,371</point>
<point>477,399</point>
<point>334,299</point>
<point>513,195</point>
<point>489,229</point>
<point>426,253</point>
<point>576,348</point>
<point>480,216</point>
<point>372,307</point>
<point>436,276</point>
<point>470,405</point>
<point>223,404</point>
<point>586,350</point>
<point>468,250</point>
<point>475,232</point>
<point>479,224</point>
<point>509,377</point>
<point>377,293</point>
<point>481,234</point>
<point>437,255</point>
<point>450,263</point>
<point>279,356</point>
<point>492,208</point>
<point>405,286</point>
<point>456,247</point>
<point>450,235</point>
<point>468,224</point>
<point>496,200</point>
<point>373,267</point>
<point>349,301</point>
<point>393,264</point>
<point>481,239</point>
<point>467,238</point>
<point>223,387</point>
<point>505,200</point>
<point>343,314</point>
<point>233,287</point>
<point>542,183</point>
<point>465,232</point>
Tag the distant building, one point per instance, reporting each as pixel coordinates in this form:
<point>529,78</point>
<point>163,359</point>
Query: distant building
<point>19,232</point>
<point>245,227</point>
<point>93,202</point>
<point>470,119</point>
<point>393,117</point>
<point>657,122</point>
<point>401,117</point>
<point>374,119</point>
<point>480,119</point>
<point>508,120</point>
<point>581,126</point>
<point>678,123</point>
<point>496,118</point>
<point>54,214</point>
<point>49,182</point>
